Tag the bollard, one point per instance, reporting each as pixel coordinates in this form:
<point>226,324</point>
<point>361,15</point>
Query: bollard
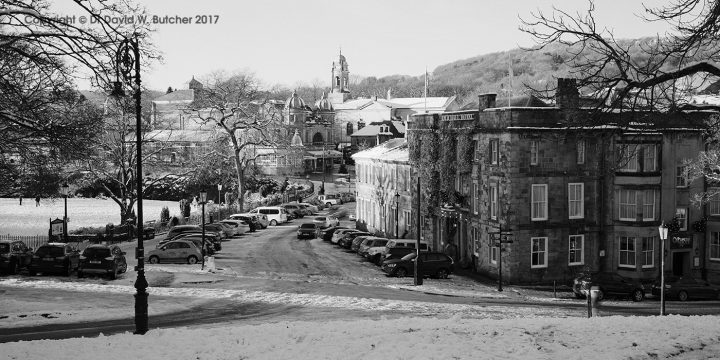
<point>210,263</point>
<point>594,299</point>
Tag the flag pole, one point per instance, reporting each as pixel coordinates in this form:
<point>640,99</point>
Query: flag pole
<point>426,89</point>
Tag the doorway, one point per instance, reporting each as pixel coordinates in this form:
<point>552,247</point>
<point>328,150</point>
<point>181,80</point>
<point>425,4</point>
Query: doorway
<point>680,263</point>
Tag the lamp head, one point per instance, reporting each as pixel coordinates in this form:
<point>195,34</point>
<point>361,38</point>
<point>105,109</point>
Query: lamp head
<point>64,189</point>
<point>663,230</point>
<point>203,196</point>
<point>219,187</point>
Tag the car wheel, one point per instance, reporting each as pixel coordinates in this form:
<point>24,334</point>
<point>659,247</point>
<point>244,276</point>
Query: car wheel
<point>80,274</point>
<point>401,272</point>
<point>442,274</point>
<point>637,295</point>
<point>579,296</point>
<point>377,260</point>
<point>14,268</point>
<point>273,222</point>
<point>154,260</point>
<point>328,204</point>
<point>192,259</point>
<point>113,274</point>
<point>683,295</point>
<point>68,269</point>
<point>123,269</point>
<point>600,295</point>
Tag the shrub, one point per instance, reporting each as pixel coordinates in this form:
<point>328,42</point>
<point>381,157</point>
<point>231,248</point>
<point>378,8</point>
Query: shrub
<point>164,215</point>
<point>174,221</point>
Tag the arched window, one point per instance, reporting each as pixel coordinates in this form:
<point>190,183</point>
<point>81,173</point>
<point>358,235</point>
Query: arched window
<point>317,139</point>
<point>337,81</point>
<point>349,129</point>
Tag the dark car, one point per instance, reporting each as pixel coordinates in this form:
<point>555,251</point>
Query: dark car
<point>177,229</point>
<point>686,288</point>
<point>212,238</point>
<point>197,240</point>
<point>355,246</point>
<point>609,284</point>
<point>54,257</point>
<point>431,264</point>
<point>347,239</point>
<point>14,255</point>
<point>102,260</point>
<point>326,234</point>
<point>294,209</point>
<point>307,230</point>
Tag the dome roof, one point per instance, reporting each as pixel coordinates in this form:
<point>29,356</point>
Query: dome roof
<point>294,102</point>
<point>296,140</point>
<point>324,104</point>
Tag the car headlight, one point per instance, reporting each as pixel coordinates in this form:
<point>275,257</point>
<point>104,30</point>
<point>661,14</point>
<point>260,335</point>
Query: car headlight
<point>391,265</point>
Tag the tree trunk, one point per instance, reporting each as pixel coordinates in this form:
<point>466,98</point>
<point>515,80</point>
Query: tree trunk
<point>241,181</point>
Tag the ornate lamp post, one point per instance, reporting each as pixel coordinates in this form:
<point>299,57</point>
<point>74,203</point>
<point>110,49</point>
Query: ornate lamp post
<point>128,70</point>
<point>663,236</point>
<point>64,190</point>
<point>203,200</point>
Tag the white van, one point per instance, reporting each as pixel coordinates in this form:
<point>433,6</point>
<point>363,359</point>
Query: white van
<point>275,214</point>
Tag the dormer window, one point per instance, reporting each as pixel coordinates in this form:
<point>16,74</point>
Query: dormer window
<point>349,129</point>
<point>384,129</point>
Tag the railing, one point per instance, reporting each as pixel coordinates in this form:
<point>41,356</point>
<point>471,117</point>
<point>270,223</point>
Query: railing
<point>31,241</point>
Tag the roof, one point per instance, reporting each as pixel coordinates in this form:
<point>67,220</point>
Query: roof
<point>354,104</point>
<point>373,128</point>
<point>418,102</point>
<point>177,95</point>
<point>391,150</point>
<point>177,135</point>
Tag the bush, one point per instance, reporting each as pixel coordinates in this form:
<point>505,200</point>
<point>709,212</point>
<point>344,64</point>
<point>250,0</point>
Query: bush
<point>174,221</point>
<point>89,230</point>
<point>164,215</point>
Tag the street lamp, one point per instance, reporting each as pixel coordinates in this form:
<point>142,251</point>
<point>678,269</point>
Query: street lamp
<point>663,230</point>
<point>219,189</point>
<point>397,211</point>
<point>64,190</point>
<point>127,61</point>
<point>203,200</point>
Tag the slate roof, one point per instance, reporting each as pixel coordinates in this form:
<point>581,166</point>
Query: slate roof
<point>391,150</point>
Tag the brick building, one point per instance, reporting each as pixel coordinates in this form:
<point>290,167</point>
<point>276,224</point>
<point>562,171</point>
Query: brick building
<point>570,199</point>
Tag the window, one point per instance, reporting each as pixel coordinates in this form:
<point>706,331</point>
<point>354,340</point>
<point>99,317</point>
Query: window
<point>494,254</point>
<point>576,246</point>
<point>538,252</point>
<point>628,205</point>
<point>715,246</point>
<point>681,179</point>
<point>493,202</point>
<point>649,157</point>
<point>714,204</point>
<point>580,149</point>
<point>648,208</point>
<point>648,252</point>
<point>349,129</point>
<point>534,152</point>
<point>576,201</point>
<point>539,202</point>
<point>627,252</point>
<point>628,158</point>
<point>476,201</point>
<point>494,151</point>
<point>682,217</point>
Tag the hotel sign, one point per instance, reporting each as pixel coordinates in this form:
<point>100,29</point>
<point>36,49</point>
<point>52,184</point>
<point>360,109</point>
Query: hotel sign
<point>681,243</point>
<point>454,117</point>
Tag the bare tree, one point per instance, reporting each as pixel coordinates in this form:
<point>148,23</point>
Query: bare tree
<point>244,113</point>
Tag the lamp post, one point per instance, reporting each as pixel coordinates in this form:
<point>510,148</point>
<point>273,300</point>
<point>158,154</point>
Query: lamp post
<point>418,279</point>
<point>219,189</point>
<point>663,236</point>
<point>64,190</point>
<point>203,200</point>
<point>127,69</point>
<point>397,211</point>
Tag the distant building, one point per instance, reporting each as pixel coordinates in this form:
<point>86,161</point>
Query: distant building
<point>376,133</point>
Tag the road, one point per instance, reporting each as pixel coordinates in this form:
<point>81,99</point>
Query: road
<point>273,261</point>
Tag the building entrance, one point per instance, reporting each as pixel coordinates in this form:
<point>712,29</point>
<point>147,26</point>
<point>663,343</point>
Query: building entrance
<point>681,263</point>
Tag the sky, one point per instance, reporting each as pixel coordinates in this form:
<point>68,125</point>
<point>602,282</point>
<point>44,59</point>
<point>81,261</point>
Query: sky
<point>291,42</point>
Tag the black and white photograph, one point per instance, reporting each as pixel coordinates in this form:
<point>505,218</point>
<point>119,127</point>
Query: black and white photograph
<point>398,179</point>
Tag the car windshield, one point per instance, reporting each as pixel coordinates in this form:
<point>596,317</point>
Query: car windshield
<point>307,226</point>
<point>4,248</point>
<point>50,251</point>
<point>96,252</point>
<point>409,256</point>
<point>320,218</point>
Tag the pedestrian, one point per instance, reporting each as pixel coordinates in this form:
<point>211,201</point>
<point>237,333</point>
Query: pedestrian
<point>20,200</point>
<point>37,201</point>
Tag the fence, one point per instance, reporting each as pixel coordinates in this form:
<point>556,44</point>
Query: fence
<point>31,241</point>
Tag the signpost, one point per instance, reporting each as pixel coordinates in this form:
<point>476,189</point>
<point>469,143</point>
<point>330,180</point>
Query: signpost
<point>498,238</point>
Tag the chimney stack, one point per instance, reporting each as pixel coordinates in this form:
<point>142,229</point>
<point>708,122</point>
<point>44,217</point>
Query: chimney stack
<point>567,95</point>
<point>486,101</point>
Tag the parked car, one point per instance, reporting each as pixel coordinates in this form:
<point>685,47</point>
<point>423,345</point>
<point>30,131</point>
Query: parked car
<point>275,214</point>
<point>250,220</point>
<point>212,241</point>
<point>337,235</point>
<point>103,260</point>
<point>330,199</point>
<point>176,251</point>
<point>294,210</point>
<point>397,248</point>
<point>371,249</point>
<point>326,234</point>
<point>259,220</point>
<point>347,197</point>
<point>355,246</point>
<point>54,257</point>
<point>609,284</point>
<point>240,226</point>
<point>326,221</point>
<point>347,239</point>
<point>431,264</point>
<point>14,255</point>
<point>177,229</point>
<point>687,288</point>
<point>313,209</point>
<point>224,230</point>
<point>307,230</point>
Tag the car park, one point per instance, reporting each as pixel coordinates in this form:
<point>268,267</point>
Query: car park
<point>102,259</point>
<point>687,288</point>
<point>14,255</point>
<point>326,234</point>
<point>239,226</point>
<point>275,214</point>
<point>608,284</point>
<point>307,231</point>
<point>54,257</point>
<point>176,251</point>
<point>431,264</point>
<point>326,221</point>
